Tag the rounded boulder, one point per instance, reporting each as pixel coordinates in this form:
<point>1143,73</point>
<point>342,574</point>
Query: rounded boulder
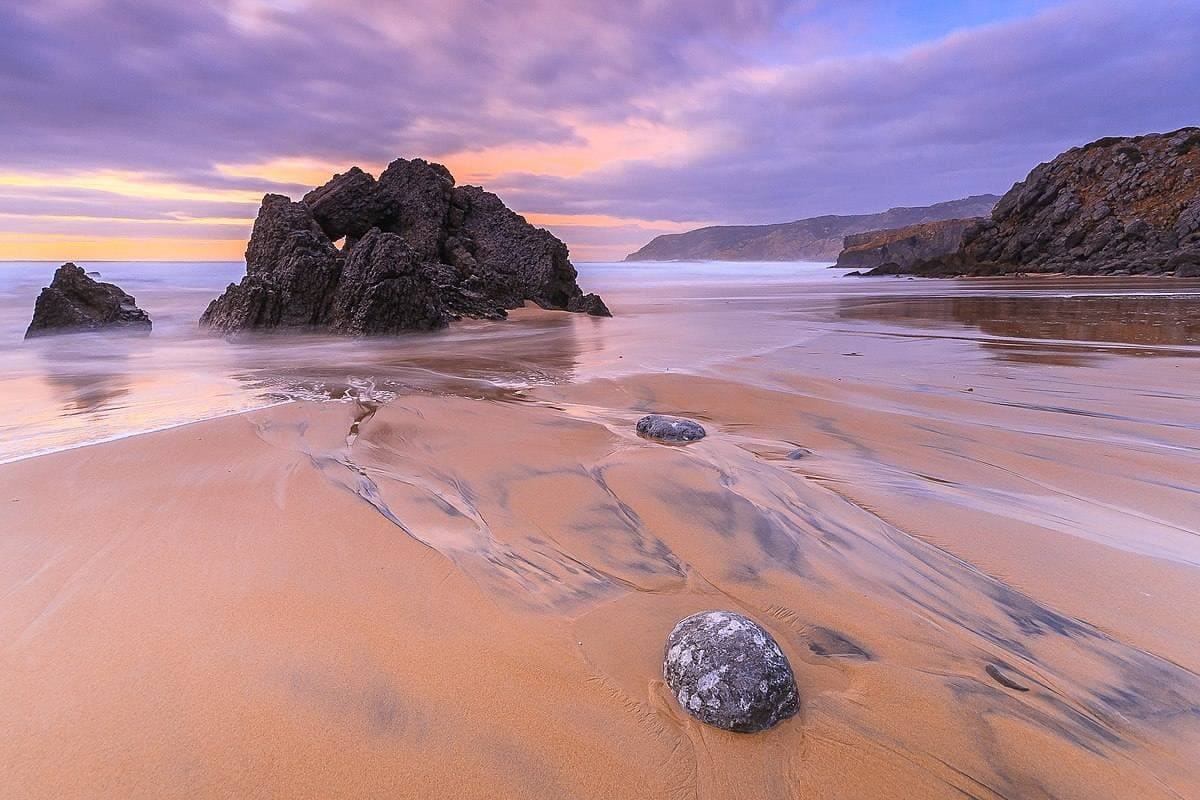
<point>670,429</point>
<point>727,671</point>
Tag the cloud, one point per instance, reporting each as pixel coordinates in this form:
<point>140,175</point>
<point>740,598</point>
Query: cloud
<point>157,84</point>
<point>722,110</point>
<point>967,114</point>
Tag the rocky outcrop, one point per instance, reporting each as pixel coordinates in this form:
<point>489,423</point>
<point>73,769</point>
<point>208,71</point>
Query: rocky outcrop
<point>676,430</point>
<point>385,286</point>
<point>74,302</point>
<point>726,671</point>
<point>348,205</point>
<point>416,252</point>
<point>1117,206</point>
<point>813,239</point>
<point>902,247</point>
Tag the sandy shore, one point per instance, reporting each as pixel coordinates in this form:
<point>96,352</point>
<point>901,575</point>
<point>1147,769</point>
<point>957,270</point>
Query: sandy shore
<point>467,594</point>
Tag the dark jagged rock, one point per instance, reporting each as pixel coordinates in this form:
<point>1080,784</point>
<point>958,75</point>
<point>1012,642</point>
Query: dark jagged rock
<point>670,429</point>
<point>418,252</point>
<point>74,302</point>
<point>292,270</point>
<point>726,671</point>
<point>903,247</point>
<point>417,201</point>
<point>589,304</point>
<point>812,239</point>
<point>348,205</point>
<point>519,261</point>
<point>1117,206</point>
<point>386,288</point>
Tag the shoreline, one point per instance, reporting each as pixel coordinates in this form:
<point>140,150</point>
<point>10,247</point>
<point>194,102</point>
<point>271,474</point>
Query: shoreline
<point>132,434</point>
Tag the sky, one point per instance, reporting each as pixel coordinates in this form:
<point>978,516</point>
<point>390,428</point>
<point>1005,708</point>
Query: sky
<point>150,129</point>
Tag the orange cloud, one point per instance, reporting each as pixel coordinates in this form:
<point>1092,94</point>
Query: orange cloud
<point>173,218</point>
<point>126,183</point>
<point>657,226</point>
<point>302,171</point>
<point>594,147</point>
<point>597,146</point>
<point>22,247</point>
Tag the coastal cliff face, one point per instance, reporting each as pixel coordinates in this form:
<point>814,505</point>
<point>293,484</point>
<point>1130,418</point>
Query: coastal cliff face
<point>903,247</point>
<point>1117,206</point>
<point>417,252</point>
<point>813,239</point>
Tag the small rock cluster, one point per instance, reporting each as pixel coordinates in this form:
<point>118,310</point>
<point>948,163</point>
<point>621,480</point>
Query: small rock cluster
<point>417,251</point>
<point>75,302</point>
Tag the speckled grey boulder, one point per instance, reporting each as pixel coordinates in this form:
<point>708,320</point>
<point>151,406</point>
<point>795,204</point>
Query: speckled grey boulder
<point>670,429</point>
<point>726,671</point>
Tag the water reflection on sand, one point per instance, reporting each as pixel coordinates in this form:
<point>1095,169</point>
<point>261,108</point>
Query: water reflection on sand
<point>669,317</point>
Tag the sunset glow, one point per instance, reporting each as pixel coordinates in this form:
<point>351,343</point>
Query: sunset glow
<point>646,119</point>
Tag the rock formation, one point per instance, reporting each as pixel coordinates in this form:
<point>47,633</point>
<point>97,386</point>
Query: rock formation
<point>670,429</point>
<point>900,248</point>
<point>813,239</point>
<point>1117,206</point>
<point>417,252</point>
<point>74,302</point>
<point>726,671</point>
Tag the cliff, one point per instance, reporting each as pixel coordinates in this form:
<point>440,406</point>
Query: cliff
<point>903,247</point>
<point>1117,206</point>
<point>813,239</point>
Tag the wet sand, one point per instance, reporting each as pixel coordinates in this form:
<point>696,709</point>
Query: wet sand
<point>984,573</point>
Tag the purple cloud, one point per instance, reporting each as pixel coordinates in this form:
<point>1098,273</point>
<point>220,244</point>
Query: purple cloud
<point>787,112</point>
<point>969,114</point>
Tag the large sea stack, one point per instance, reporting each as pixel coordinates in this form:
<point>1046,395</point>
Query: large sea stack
<point>1117,206</point>
<point>415,252</point>
<point>74,302</point>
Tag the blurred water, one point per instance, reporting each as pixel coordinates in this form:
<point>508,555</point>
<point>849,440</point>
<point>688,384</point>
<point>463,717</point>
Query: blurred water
<point>63,391</point>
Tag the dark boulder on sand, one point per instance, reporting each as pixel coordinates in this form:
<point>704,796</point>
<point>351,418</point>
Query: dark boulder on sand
<point>727,671</point>
<point>74,302</point>
<point>418,252</point>
<point>670,429</point>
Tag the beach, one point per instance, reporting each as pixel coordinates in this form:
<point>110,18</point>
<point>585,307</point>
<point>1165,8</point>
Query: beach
<point>446,566</point>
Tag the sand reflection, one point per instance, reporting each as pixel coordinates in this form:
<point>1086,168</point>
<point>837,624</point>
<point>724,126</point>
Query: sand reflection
<point>1153,323</point>
<point>89,372</point>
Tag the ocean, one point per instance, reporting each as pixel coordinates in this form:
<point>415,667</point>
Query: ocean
<point>65,391</point>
